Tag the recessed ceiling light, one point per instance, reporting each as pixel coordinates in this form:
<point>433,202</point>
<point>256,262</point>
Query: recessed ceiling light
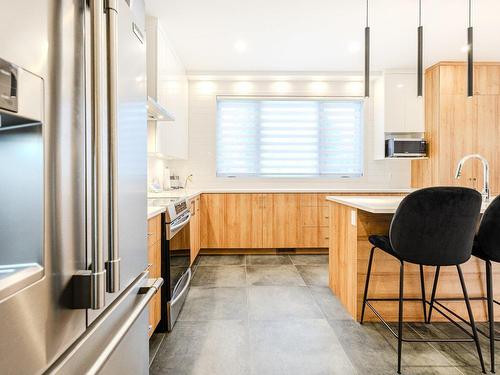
<point>464,48</point>
<point>240,46</point>
<point>354,47</point>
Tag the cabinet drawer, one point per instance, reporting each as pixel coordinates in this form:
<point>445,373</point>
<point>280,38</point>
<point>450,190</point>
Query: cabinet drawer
<point>324,213</point>
<point>324,238</point>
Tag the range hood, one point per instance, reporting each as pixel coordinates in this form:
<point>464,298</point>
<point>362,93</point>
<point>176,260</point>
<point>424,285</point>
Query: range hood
<point>156,112</point>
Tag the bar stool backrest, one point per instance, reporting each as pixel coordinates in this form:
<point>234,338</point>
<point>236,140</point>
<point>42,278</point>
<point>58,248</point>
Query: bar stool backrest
<point>488,236</point>
<point>436,226</point>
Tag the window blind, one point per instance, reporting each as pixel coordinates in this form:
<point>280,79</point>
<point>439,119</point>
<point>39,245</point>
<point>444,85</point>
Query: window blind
<point>266,137</point>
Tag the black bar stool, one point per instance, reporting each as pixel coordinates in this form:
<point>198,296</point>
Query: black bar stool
<point>432,227</point>
<point>486,247</point>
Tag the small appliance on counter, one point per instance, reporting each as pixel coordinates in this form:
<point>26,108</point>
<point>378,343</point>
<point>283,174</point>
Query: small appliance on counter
<point>175,182</point>
<point>405,148</point>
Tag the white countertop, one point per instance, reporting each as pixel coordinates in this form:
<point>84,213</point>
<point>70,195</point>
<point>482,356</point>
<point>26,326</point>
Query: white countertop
<point>382,204</point>
<point>154,210</point>
<point>190,193</point>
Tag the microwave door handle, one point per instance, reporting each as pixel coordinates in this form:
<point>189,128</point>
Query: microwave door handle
<point>113,263</point>
<point>97,270</point>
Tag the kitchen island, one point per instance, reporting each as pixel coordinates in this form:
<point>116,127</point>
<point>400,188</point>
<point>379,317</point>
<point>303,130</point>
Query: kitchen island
<point>352,220</point>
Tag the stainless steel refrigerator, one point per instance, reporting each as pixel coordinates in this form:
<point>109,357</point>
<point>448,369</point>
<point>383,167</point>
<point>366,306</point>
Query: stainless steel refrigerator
<point>74,283</point>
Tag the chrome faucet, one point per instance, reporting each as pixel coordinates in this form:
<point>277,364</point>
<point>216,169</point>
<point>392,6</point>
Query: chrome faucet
<point>188,179</point>
<point>486,173</point>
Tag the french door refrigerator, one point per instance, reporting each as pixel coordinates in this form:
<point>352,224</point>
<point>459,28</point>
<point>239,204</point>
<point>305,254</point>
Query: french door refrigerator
<point>74,280</point>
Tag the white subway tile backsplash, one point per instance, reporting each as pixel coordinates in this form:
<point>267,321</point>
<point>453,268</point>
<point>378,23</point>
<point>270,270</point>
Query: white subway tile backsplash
<point>202,129</point>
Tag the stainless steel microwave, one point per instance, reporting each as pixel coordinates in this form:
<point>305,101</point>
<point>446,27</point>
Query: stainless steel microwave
<point>405,147</point>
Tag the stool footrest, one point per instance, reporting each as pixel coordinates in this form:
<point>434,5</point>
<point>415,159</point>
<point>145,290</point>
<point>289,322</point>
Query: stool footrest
<point>450,339</point>
<point>436,301</point>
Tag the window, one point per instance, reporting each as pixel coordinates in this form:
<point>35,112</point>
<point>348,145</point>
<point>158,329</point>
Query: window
<point>278,137</point>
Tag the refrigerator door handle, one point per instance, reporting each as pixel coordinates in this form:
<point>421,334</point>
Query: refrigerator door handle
<point>97,270</point>
<point>113,263</point>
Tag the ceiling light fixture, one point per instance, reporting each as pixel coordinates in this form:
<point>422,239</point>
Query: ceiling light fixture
<point>470,55</point>
<point>240,46</point>
<point>420,52</point>
<point>367,54</point>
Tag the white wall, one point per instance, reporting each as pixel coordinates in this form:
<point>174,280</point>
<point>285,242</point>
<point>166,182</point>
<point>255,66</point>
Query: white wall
<point>202,132</point>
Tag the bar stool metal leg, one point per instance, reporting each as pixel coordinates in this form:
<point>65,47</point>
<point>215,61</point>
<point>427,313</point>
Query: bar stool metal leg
<point>400,316</point>
<point>365,295</point>
<point>471,318</point>
<point>433,294</point>
<point>491,313</point>
<point>422,286</point>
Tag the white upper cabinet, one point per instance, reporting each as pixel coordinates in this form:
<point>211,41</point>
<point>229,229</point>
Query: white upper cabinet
<point>397,109</point>
<point>168,85</point>
<point>397,104</point>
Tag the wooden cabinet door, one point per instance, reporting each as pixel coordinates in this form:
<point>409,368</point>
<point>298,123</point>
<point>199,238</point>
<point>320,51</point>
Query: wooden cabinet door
<point>456,135</point>
<point>243,221</point>
<point>194,229</point>
<point>154,259</point>
<point>487,139</point>
<point>212,220</point>
<point>267,220</point>
<point>286,221</point>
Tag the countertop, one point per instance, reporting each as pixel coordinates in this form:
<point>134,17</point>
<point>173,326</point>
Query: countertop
<point>382,204</point>
<point>190,193</point>
<point>154,210</point>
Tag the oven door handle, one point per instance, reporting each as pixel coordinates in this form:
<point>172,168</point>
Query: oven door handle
<point>176,227</point>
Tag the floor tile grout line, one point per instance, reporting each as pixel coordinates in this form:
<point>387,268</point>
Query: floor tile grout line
<point>433,347</point>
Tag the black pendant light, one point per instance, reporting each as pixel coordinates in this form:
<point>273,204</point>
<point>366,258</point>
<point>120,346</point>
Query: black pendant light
<point>367,55</point>
<point>420,52</point>
<point>470,56</point>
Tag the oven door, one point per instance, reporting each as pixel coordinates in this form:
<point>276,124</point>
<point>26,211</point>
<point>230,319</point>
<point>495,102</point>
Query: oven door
<point>178,274</point>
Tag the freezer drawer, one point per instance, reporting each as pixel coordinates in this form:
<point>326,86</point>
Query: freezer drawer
<point>116,342</point>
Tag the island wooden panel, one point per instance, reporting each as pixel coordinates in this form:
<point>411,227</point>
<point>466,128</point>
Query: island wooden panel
<point>349,253</point>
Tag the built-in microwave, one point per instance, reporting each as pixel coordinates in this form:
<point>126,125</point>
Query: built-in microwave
<point>405,148</point>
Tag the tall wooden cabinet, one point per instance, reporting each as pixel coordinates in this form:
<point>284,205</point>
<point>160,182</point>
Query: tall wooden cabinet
<point>456,125</point>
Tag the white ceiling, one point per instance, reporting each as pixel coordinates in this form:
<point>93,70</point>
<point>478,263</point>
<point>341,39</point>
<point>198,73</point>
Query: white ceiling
<point>316,35</point>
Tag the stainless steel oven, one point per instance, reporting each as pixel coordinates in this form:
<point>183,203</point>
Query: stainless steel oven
<point>175,263</point>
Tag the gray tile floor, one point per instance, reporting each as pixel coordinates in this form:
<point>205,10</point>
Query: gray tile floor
<point>274,314</point>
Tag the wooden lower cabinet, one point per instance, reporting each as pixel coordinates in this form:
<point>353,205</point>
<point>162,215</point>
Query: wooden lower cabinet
<point>264,220</point>
<point>154,259</point>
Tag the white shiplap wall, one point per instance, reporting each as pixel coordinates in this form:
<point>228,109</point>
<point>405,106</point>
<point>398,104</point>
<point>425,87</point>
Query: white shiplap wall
<point>202,132</point>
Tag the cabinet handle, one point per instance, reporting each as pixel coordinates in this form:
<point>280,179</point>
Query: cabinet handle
<point>327,238</point>
<point>150,234</point>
